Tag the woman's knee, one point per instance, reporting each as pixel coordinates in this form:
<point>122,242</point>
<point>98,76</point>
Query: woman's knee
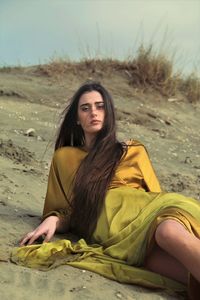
<point>167,232</point>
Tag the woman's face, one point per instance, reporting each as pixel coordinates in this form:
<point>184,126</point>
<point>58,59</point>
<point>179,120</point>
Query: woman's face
<point>91,112</point>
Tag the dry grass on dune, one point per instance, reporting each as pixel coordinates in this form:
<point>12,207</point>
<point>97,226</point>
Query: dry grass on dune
<point>191,87</point>
<point>147,70</point>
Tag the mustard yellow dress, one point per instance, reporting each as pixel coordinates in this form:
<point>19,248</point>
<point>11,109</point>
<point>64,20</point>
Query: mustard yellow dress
<point>133,208</point>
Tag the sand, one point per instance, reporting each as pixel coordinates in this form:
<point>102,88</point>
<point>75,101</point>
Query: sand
<point>169,128</point>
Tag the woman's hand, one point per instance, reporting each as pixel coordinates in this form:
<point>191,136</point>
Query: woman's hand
<point>47,227</point>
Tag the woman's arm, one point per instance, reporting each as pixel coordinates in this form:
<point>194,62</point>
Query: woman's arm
<point>57,209</point>
<point>151,181</point>
<point>150,178</point>
<point>57,200</point>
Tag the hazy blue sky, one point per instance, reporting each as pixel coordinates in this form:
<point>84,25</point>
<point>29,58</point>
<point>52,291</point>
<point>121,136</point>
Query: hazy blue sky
<point>32,31</point>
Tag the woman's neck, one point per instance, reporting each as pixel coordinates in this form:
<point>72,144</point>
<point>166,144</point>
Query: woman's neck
<point>89,142</point>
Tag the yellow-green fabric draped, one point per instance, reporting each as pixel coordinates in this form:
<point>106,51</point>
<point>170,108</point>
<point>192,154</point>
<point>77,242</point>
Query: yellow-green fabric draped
<point>125,228</point>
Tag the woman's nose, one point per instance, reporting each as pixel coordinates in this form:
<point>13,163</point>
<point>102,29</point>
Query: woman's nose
<point>93,111</point>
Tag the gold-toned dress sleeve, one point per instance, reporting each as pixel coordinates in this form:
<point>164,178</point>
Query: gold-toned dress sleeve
<point>56,200</point>
<point>65,163</point>
<point>150,178</point>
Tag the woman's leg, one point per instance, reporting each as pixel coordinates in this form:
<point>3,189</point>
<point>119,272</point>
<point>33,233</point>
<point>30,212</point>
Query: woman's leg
<point>161,262</point>
<point>173,238</point>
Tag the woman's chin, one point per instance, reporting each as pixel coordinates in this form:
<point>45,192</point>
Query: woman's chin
<point>94,130</point>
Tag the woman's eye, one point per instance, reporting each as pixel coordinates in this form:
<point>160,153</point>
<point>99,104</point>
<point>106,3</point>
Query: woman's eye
<point>100,106</point>
<point>85,108</point>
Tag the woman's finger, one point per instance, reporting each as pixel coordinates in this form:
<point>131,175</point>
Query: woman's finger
<point>48,236</point>
<point>26,238</point>
<point>34,237</point>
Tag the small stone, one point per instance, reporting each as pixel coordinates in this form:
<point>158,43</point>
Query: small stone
<point>162,121</point>
<point>172,100</point>
<point>175,154</point>
<point>16,131</point>
<point>30,132</point>
<point>188,160</point>
<point>119,295</point>
<point>39,138</point>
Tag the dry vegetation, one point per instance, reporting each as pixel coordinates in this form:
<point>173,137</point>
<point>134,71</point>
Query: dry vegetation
<point>191,87</point>
<point>147,70</point>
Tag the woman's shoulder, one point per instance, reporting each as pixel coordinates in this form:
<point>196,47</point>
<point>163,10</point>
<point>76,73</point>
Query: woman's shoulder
<point>135,147</point>
<point>133,142</point>
<point>68,151</point>
<point>136,150</point>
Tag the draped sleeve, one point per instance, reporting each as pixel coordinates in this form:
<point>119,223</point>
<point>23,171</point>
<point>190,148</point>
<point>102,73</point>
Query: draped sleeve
<point>63,168</point>
<point>150,180</point>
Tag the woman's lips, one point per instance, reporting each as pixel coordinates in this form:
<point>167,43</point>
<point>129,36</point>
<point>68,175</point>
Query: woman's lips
<point>95,122</point>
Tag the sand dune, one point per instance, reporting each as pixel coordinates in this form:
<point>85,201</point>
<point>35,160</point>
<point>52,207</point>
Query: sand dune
<point>170,129</point>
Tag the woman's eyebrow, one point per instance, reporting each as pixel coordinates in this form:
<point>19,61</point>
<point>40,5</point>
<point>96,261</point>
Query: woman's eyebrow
<point>98,102</point>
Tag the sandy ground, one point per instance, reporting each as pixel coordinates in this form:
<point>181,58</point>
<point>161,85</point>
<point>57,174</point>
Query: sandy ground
<point>169,128</point>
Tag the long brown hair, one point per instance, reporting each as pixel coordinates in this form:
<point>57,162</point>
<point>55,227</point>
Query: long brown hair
<point>97,168</point>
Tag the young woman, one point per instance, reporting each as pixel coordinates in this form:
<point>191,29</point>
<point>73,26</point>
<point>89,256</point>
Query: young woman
<point>107,193</point>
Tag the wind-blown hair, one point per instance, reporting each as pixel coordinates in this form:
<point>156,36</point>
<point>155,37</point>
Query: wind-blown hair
<point>95,172</point>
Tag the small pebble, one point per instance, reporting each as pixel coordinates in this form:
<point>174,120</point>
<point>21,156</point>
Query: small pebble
<point>119,295</point>
<point>30,132</point>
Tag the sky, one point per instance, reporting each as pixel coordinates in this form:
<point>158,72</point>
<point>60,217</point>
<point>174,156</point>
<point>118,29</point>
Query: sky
<point>35,31</point>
